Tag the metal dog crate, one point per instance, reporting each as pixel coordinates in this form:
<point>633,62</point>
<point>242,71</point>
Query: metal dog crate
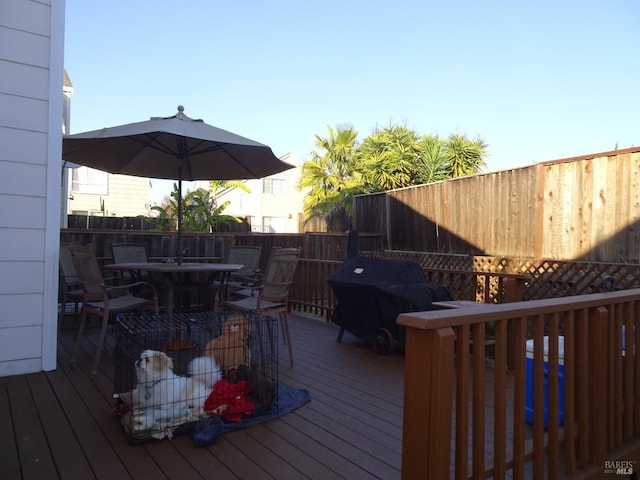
<point>372,292</point>
<point>183,337</point>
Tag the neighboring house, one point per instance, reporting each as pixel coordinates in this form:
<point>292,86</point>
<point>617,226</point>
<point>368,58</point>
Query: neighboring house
<point>92,192</point>
<point>274,204</point>
<point>67,92</point>
<point>31,113</point>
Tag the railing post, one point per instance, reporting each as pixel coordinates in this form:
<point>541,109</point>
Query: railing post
<point>513,292</point>
<point>428,403</point>
<point>598,390</point>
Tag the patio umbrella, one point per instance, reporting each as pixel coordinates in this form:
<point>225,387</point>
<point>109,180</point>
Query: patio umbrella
<point>176,148</point>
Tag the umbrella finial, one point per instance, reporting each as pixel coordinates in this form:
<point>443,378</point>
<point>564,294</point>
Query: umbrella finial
<point>181,116</point>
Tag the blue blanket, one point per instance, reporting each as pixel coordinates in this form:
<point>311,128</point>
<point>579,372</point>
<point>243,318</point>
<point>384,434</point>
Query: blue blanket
<point>207,430</point>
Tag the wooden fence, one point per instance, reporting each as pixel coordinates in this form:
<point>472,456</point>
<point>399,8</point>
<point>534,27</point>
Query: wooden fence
<point>479,278</point>
<point>162,244</point>
<point>585,208</point>
<point>138,223</point>
<point>560,419</point>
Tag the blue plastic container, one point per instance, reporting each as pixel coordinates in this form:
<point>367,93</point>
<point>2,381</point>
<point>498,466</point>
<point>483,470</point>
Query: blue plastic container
<point>528,411</point>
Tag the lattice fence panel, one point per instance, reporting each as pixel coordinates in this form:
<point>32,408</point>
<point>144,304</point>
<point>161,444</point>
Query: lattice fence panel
<point>552,279</point>
<point>548,278</point>
<point>426,260</point>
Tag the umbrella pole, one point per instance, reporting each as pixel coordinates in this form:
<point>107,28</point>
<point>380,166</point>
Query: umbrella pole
<point>180,343</point>
<point>179,252</point>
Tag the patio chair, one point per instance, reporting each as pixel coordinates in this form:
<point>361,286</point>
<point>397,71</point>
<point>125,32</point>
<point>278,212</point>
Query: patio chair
<point>250,284</point>
<point>272,296</point>
<point>103,300</point>
<point>139,253</point>
<point>69,287</point>
<point>131,252</point>
<point>244,255</point>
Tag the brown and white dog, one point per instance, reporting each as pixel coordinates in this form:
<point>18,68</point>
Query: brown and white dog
<point>163,395</point>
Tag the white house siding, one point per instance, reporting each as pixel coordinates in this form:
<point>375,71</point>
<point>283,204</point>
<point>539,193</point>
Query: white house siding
<point>127,196</point>
<point>31,74</point>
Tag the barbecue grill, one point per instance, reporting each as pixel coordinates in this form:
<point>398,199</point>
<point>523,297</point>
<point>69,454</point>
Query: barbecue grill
<point>372,292</point>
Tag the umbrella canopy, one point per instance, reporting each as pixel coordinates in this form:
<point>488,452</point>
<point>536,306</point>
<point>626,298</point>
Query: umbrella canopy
<point>177,148</point>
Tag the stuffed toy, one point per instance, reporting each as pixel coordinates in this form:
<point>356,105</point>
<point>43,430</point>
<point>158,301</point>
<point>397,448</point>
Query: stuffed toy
<point>231,348</point>
<point>260,391</point>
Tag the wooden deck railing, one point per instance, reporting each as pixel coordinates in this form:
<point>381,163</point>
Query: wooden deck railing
<point>460,393</point>
<point>482,287</point>
<point>310,292</point>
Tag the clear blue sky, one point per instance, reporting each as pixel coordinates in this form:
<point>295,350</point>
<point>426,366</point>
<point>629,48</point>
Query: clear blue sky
<point>535,80</point>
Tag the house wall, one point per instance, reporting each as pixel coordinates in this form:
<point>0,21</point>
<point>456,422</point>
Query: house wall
<point>127,196</point>
<point>283,208</point>
<point>31,75</point>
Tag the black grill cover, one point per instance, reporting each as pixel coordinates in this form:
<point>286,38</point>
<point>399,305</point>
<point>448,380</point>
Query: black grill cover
<point>372,292</point>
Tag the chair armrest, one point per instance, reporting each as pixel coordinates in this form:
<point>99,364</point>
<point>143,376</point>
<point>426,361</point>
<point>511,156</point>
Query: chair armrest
<point>119,290</point>
<point>247,291</point>
<point>112,281</point>
<point>253,278</point>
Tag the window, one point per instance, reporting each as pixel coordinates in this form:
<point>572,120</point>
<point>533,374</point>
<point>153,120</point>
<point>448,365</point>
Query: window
<point>88,180</point>
<point>273,186</point>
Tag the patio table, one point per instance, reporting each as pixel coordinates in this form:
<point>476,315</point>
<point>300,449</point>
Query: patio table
<point>168,269</point>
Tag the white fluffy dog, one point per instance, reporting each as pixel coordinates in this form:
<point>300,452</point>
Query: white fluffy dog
<point>164,396</point>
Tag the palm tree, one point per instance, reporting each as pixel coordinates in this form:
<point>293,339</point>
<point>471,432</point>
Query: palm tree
<point>201,209</point>
<point>465,157</point>
<point>332,179</point>
<point>219,188</point>
<point>432,159</point>
<point>388,158</point>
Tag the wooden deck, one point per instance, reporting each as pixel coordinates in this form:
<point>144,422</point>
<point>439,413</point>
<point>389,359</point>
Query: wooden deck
<point>58,424</point>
